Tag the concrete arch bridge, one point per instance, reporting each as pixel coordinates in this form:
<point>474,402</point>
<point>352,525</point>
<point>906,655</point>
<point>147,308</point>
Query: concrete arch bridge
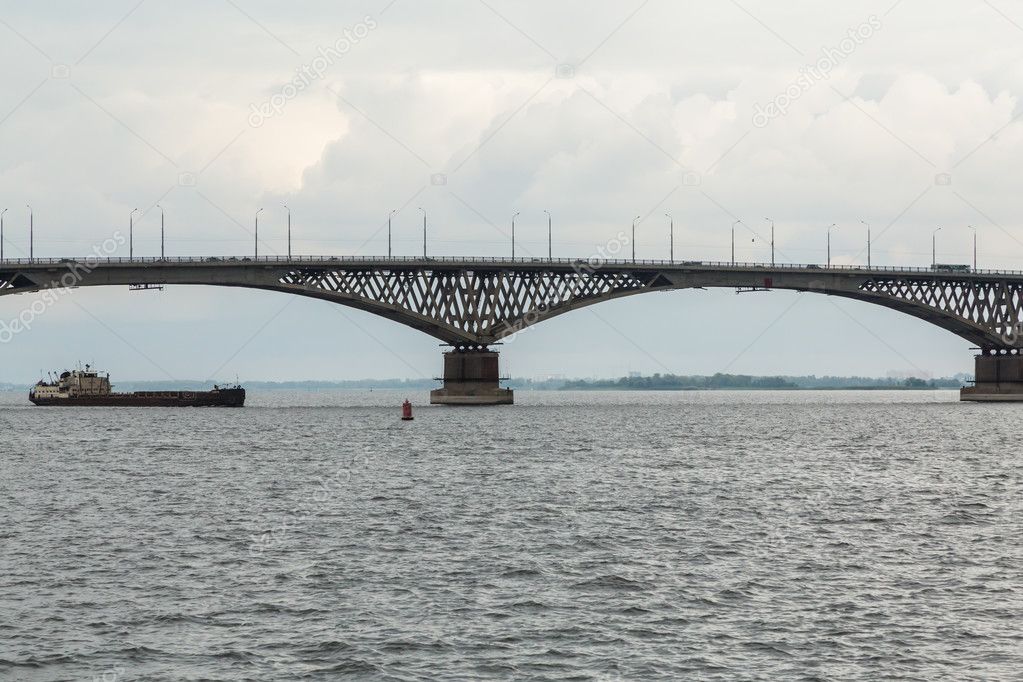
<point>472,303</point>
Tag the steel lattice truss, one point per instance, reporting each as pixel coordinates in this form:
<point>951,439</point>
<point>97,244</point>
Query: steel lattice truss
<point>473,306</point>
<point>993,308</point>
<point>11,281</point>
<point>475,303</point>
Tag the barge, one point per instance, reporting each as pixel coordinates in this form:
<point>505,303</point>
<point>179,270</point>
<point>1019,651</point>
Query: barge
<point>86,388</point>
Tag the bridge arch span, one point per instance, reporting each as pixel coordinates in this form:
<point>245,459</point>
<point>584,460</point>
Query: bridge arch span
<point>477,302</point>
<point>472,303</point>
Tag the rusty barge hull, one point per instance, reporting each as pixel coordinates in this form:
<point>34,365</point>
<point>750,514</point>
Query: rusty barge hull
<point>233,397</point>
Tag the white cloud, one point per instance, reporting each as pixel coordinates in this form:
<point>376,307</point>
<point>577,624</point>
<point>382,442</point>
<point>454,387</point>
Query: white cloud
<point>452,88</point>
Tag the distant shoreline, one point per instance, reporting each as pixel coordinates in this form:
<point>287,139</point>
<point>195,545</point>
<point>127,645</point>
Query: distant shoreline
<point>747,388</point>
<point>672,383</point>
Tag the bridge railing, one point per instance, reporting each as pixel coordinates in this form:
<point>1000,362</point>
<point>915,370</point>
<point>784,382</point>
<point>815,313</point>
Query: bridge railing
<point>90,261</point>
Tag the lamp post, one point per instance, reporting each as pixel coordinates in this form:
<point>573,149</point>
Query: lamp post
<point>424,231</point>
<point>131,234</point>
<point>974,246</point>
<point>2,233</point>
<point>550,251</point>
<point>161,232</point>
<point>737,222</point>
<point>31,236</point>
<point>671,238</point>
<point>513,234</point>
<point>634,238</point>
<point>389,216</point>
<point>772,240</point>
<point>868,241</point>
<point>832,226</point>
<point>289,230</point>
<point>257,232</point>
<point>934,247</point>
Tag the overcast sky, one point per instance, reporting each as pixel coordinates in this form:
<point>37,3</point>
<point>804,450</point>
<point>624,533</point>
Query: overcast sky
<point>900,114</point>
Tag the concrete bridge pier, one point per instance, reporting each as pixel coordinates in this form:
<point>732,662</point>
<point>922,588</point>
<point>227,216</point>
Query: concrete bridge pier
<point>471,377</point>
<point>998,378</point>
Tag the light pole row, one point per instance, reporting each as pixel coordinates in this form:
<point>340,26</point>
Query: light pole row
<point>550,237</point>
<point>390,216</point>
<point>31,232</point>
<point>934,249</point>
<point>831,227</point>
<point>131,233</point>
<point>549,234</point>
<point>256,233</point>
<point>671,236</point>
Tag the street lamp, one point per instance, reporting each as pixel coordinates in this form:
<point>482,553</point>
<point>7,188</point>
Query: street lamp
<point>550,252</point>
<point>830,227</point>
<point>513,234</point>
<point>2,233</point>
<point>161,231</point>
<point>634,238</point>
<point>257,232</point>
<point>289,230</point>
<point>389,216</point>
<point>934,247</point>
<point>424,231</point>
<point>974,246</point>
<point>31,236</point>
<point>868,241</point>
<point>737,222</point>
<point>671,238</point>
<point>131,234</point>
<point>772,240</point>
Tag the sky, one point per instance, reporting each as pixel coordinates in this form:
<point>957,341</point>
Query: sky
<point>902,115</point>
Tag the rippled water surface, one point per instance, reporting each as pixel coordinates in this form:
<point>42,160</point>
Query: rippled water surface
<point>853,535</point>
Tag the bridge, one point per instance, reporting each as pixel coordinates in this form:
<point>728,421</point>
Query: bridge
<point>473,303</point>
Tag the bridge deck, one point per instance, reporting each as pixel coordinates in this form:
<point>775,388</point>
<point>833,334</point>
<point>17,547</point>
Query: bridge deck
<point>480,300</point>
<point>490,262</point>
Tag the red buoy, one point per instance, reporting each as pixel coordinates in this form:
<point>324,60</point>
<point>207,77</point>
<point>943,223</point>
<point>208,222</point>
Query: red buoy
<point>406,411</point>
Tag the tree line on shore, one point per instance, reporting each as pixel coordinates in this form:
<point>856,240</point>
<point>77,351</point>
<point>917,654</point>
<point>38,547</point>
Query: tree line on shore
<point>655,382</point>
<point>719,381</point>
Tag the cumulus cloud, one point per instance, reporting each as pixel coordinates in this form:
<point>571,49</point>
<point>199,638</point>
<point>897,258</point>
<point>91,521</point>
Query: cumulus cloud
<point>475,111</point>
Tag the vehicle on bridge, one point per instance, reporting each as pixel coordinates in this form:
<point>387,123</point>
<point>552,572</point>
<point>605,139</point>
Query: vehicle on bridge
<point>950,267</point>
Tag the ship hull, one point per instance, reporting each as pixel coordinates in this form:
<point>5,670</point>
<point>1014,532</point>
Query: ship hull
<point>232,397</point>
